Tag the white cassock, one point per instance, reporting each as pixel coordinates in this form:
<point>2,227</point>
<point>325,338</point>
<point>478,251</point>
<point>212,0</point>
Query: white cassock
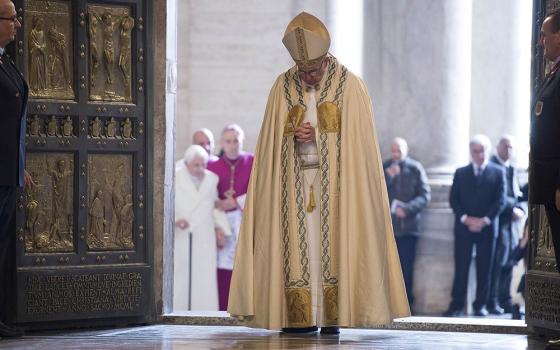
<point>194,202</point>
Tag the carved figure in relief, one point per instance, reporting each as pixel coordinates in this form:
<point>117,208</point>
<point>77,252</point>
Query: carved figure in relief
<point>67,129</point>
<point>111,128</point>
<point>124,229</point>
<point>60,177</point>
<point>32,209</point>
<point>37,56</point>
<point>297,312</point>
<point>60,77</point>
<point>127,129</point>
<point>93,52</point>
<point>127,24</point>
<point>35,126</point>
<point>52,126</point>
<point>108,45</point>
<point>96,128</point>
<point>97,218</point>
<point>114,181</point>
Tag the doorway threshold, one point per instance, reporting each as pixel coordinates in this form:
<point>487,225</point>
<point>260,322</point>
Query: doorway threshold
<point>413,323</point>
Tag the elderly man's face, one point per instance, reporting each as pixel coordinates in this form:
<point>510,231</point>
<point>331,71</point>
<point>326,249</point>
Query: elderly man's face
<point>505,149</point>
<point>232,144</point>
<point>549,41</point>
<point>8,27</point>
<point>196,167</point>
<point>200,138</point>
<point>397,152</point>
<point>478,154</point>
<point>312,75</point>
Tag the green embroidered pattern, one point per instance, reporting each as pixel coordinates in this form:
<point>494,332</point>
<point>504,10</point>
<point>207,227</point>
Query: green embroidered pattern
<point>302,227</point>
<point>340,87</point>
<point>299,89</point>
<point>284,208</point>
<point>302,230</point>
<point>330,74</point>
<point>287,89</point>
<point>325,229</point>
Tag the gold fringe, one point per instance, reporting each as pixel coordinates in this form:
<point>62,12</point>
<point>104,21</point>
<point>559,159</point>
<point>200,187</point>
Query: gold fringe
<point>311,204</point>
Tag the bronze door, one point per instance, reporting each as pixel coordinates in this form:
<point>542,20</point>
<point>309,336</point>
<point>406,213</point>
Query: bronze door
<point>542,280</point>
<point>83,248</point>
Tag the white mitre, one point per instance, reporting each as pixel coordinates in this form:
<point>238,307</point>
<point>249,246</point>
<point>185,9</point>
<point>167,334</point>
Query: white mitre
<point>307,39</point>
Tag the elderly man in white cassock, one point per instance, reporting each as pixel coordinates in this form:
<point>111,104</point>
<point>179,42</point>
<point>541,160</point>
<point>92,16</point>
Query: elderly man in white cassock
<point>195,217</point>
<point>316,245</point>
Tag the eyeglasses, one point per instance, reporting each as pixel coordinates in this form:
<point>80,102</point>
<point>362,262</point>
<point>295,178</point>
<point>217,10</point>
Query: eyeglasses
<point>312,72</point>
<point>13,19</point>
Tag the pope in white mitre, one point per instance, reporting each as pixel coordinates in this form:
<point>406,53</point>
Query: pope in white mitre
<point>316,245</point>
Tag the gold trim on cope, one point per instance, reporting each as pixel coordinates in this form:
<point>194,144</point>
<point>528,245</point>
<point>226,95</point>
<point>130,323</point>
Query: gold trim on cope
<point>298,301</point>
<point>330,301</point>
<point>295,118</point>
<point>328,117</point>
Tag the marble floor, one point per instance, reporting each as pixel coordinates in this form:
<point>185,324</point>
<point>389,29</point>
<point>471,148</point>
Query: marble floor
<point>179,337</point>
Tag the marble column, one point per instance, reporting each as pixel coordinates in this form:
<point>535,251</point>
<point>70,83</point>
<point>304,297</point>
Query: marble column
<point>417,66</point>
<point>169,187</point>
<point>417,59</point>
<point>501,61</point>
<point>157,170</point>
<point>346,28</point>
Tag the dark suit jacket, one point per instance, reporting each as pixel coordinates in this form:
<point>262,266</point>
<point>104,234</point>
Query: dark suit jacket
<point>13,102</point>
<point>545,142</point>
<point>513,192</point>
<point>410,186</point>
<point>482,196</point>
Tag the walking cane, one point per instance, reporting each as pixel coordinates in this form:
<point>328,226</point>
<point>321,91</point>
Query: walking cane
<point>190,267</point>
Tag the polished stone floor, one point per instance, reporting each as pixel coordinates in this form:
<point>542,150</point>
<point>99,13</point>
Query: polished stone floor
<point>177,337</point>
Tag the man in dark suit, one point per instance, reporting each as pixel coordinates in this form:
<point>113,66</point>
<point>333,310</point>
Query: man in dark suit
<point>500,295</point>
<point>409,193</point>
<point>544,173</point>
<point>13,102</point>
<point>477,198</point>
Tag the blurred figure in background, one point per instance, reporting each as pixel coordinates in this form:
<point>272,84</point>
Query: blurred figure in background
<point>233,169</point>
<point>195,196</point>
<point>409,193</point>
<point>508,239</point>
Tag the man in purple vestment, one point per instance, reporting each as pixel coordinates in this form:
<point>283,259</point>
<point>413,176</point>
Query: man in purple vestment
<point>234,169</point>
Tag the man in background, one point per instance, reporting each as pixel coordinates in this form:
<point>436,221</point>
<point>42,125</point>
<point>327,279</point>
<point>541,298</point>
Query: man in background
<point>233,169</point>
<point>500,295</point>
<point>13,103</point>
<point>477,198</point>
<point>204,138</point>
<point>409,193</point>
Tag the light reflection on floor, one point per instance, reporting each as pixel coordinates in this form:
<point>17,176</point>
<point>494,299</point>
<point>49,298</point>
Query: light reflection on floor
<point>176,337</point>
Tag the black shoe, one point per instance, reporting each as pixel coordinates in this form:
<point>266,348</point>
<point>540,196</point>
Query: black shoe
<point>516,313</point>
<point>300,330</point>
<point>508,307</point>
<point>496,310</point>
<point>9,332</point>
<point>481,312</point>
<point>553,344</point>
<point>453,313</point>
<point>330,330</point>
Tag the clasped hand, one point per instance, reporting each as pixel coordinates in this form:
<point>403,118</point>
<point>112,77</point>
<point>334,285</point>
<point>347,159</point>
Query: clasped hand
<point>305,133</point>
<point>475,224</point>
<point>226,204</point>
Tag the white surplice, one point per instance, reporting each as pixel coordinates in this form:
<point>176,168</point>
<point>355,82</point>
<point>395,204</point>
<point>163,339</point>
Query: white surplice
<point>196,205</point>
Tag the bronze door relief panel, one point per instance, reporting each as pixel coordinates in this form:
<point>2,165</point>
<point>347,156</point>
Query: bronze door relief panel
<point>48,29</point>
<point>542,280</point>
<point>82,248</point>
<point>110,46</point>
